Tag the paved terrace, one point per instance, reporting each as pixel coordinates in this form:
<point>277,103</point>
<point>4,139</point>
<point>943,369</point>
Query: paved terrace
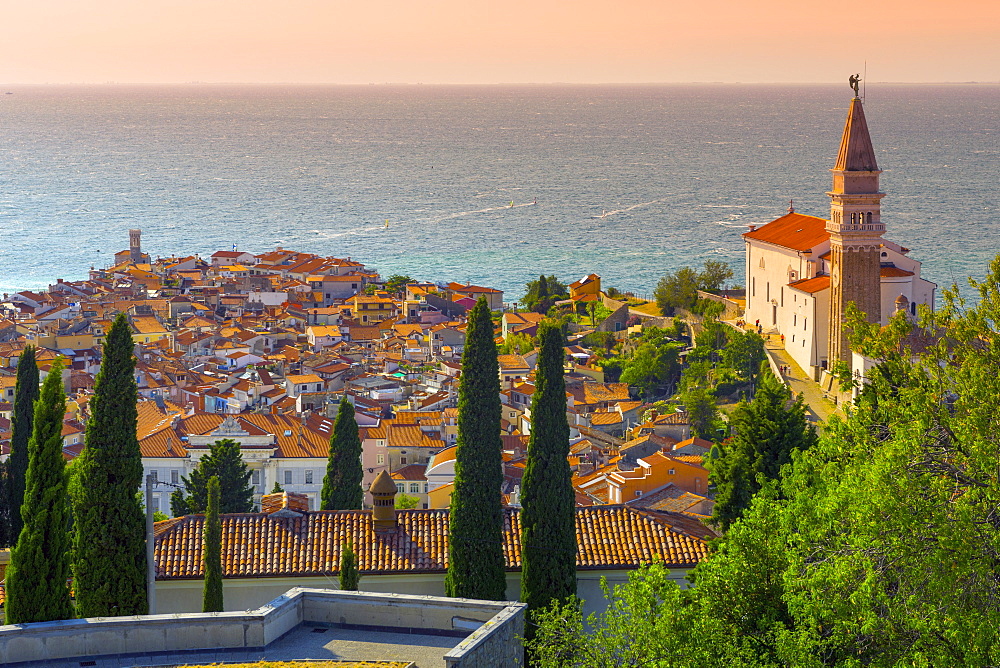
<point>305,642</point>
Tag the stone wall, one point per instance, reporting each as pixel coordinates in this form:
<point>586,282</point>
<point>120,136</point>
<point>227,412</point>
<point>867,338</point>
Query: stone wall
<point>496,644</point>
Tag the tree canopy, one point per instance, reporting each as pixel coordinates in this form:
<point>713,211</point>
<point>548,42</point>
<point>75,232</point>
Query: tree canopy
<point>396,283</point>
<point>110,555</point>
<point>224,462</point>
<point>877,547</point>
<point>25,394</point>
<point>678,289</point>
<point>541,294</point>
<point>342,482</point>
<point>476,563</point>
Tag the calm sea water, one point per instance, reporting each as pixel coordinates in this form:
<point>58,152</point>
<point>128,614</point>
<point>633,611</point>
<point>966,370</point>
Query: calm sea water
<point>630,181</point>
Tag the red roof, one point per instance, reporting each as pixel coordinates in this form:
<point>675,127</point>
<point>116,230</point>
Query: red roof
<point>811,285</point>
<point>793,230</point>
<point>893,272</point>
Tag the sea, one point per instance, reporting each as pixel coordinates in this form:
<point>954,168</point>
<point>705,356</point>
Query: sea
<point>492,185</point>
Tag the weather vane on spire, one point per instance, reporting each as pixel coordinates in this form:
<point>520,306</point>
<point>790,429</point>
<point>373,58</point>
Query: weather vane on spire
<point>855,80</point>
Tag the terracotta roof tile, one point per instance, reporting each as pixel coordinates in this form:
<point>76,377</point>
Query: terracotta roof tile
<point>257,545</point>
<point>793,230</point>
<point>811,285</point>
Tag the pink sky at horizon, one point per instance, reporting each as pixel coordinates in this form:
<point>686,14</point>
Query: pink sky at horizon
<point>449,41</point>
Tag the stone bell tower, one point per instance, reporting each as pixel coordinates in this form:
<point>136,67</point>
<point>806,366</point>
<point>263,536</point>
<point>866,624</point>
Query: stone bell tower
<point>856,230</point>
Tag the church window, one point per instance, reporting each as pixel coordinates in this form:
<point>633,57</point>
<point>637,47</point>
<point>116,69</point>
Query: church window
<point>805,323</point>
<point>793,338</point>
<point>869,217</point>
<point>761,264</point>
<point>767,291</point>
<point>782,295</point>
<point>852,218</point>
<point>753,286</point>
<point>795,317</point>
<point>913,308</point>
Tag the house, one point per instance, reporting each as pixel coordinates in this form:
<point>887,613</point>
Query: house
<point>587,288</point>
<point>402,551</point>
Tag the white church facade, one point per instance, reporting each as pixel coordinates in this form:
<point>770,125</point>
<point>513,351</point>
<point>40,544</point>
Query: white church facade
<point>803,270</point>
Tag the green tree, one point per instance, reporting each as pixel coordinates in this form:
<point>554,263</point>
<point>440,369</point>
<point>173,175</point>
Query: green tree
<point>744,354</point>
<point>277,489</point>
<point>517,344</point>
<point>548,520</point>
<point>713,274</point>
<point>110,554</point>
<point>212,600</point>
<point>25,395</point>
<point>406,502</point>
<point>767,431</point>
<point>39,569</point>
<point>349,576</point>
<point>178,503</point>
<point>342,482</point>
<point>650,367</point>
<point>540,295</point>
<point>225,462</point>
<point>877,548</point>
<point>476,559</point>
<point>702,411</point>
<point>677,289</point>
<point>397,283</point>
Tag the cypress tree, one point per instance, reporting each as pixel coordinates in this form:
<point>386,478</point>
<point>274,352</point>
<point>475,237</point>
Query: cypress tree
<point>5,504</point>
<point>225,462</point>
<point>110,555</point>
<point>548,518</point>
<point>349,577</point>
<point>212,599</point>
<point>39,569</point>
<point>25,395</point>
<point>476,560</point>
<point>277,489</point>
<point>342,482</point>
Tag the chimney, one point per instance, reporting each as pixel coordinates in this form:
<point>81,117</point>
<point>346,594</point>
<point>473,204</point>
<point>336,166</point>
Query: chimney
<point>383,491</point>
<point>285,504</point>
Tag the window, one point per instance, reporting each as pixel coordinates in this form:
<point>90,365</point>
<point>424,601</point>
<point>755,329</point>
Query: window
<point>309,477</point>
<point>753,286</point>
<point>155,505</point>
<point>767,291</point>
<point>288,477</point>
<point>399,488</point>
<point>794,318</point>
<point>805,322</point>
<point>670,472</point>
<point>380,459</point>
<point>175,477</point>
<point>414,488</point>
<point>638,492</point>
<point>255,477</point>
<point>155,475</point>
<point>425,488</point>
<point>402,460</point>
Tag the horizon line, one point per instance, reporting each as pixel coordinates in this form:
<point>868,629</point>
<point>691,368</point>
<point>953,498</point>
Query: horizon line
<point>495,83</point>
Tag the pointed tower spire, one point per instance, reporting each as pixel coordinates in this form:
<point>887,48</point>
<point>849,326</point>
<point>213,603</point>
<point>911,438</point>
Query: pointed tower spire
<point>856,230</point>
<point>856,151</point>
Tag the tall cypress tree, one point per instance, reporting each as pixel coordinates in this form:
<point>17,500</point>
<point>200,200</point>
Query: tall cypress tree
<point>110,556</point>
<point>225,462</point>
<point>342,482</point>
<point>25,395</point>
<point>349,577</point>
<point>212,557</point>
<point>476,560</point>
<point>548,518</point>
<point>37,589</point>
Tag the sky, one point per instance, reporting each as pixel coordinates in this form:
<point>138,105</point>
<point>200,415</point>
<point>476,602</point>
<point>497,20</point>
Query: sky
<point>489,41</point>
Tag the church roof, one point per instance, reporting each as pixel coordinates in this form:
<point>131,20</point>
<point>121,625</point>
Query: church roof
<point>856,151</point>
<point>811,285</point>
<point>793,230</point>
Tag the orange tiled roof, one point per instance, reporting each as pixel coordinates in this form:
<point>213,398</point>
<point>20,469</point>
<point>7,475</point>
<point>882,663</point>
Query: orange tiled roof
<point>793,230</point>
<point>811,285</point>
<point>893,272</point>
<point>258,545</point>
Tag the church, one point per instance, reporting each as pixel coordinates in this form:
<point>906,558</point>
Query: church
<point>802,271</point>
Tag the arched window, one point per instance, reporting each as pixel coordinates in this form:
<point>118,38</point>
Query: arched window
<point>869,217</point>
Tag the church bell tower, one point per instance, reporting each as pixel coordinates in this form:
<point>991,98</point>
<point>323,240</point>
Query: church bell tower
<point>856,230</point>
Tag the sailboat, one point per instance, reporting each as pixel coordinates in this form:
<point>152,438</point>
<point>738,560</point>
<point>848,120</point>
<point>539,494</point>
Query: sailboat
<point>386,223</point>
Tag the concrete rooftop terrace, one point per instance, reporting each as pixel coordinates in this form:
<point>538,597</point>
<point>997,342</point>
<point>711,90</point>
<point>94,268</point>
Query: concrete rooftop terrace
<point>305,642</point>
<point>429,631</point>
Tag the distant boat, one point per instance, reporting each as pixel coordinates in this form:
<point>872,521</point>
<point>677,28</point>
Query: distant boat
<point>512,204</point>
<point>386,223</point>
